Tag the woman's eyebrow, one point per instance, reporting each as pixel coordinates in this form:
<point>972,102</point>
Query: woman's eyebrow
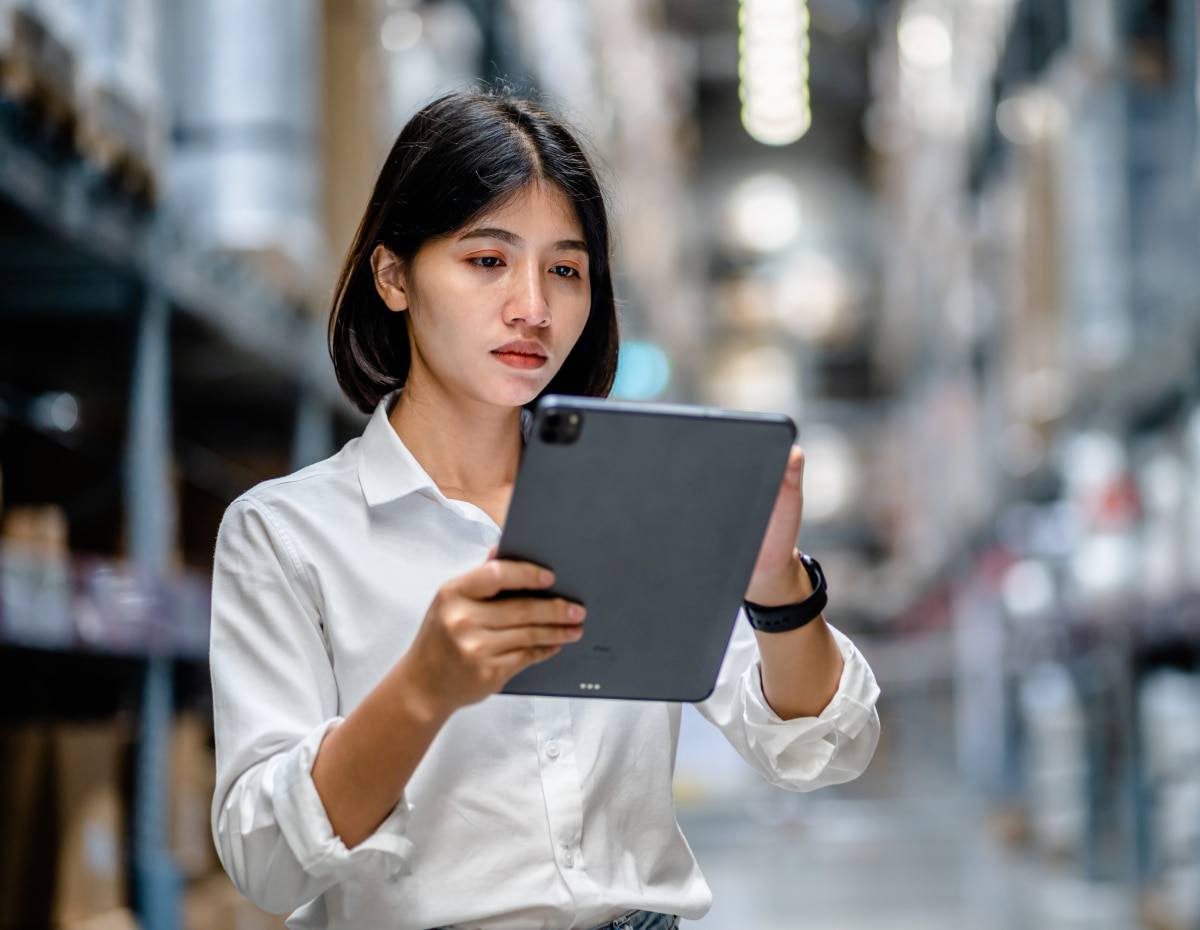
<point>491,232</point>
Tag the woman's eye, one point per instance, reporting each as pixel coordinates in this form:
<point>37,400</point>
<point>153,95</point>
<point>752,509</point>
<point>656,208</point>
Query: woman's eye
<point>494,261</point>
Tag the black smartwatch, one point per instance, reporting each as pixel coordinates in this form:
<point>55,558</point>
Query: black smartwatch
<point>785,617</point>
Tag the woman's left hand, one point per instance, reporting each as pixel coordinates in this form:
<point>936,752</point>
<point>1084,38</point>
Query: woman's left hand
<point>779,576</point>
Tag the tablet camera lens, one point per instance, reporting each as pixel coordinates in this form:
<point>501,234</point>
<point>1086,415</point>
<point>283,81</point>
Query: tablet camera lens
<point>560,428</point>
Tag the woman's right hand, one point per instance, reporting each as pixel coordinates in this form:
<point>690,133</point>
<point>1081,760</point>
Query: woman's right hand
<point>468,646</point>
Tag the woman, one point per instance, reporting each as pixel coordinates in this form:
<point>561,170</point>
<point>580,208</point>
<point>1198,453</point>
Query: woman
<point>369,775</point>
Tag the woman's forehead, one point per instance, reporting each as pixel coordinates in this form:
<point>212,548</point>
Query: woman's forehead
<point>536,199</point>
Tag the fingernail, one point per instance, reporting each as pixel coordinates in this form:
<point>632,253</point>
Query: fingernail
<point>575,612</point>
<point>546,576</point>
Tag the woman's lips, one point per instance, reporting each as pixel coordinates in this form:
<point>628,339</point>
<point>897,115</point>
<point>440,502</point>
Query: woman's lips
<point>516,360</point>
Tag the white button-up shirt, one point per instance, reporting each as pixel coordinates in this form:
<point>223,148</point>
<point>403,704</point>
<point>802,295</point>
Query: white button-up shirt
<point>526,812</point>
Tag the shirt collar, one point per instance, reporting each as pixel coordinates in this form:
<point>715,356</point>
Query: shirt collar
<point>387,470</point>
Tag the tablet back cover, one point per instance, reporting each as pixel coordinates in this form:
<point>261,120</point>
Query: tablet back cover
<point>652,516</point>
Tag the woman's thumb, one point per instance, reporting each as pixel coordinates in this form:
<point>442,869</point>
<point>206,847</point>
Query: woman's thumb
<point>492,552</point>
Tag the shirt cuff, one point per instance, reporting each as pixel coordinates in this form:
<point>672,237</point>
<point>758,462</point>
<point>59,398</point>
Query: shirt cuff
<point>805,746</point>
<point>305,824</point>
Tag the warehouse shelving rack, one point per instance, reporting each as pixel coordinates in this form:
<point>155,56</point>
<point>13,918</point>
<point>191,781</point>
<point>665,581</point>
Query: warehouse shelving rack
<point>79,259</point>
<point>1108,651</point>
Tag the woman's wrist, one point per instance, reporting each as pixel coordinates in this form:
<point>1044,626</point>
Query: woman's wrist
<point>790,585</point>
<point>364,763</point>
<point>420,699</point>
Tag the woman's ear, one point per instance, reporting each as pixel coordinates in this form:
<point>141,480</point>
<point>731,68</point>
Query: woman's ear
<point>389,282</point>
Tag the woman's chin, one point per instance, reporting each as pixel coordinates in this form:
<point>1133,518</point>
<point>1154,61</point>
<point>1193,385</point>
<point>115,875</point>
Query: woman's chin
<point>511,395</point>
<point>520,387</point>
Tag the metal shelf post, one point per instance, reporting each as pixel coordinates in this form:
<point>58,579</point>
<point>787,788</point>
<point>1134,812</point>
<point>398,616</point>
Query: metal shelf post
<point>151,513</point>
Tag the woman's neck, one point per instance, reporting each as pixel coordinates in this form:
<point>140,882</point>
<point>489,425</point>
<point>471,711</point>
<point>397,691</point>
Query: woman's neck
<point>472,450</point>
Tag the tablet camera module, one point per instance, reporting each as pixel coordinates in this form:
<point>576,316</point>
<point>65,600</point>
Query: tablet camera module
<point>561,426</point>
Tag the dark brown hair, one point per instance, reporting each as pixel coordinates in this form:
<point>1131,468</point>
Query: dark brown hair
<point>458,157</point>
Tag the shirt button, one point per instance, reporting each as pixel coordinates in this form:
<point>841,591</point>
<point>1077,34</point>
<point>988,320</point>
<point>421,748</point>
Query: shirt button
<point>552,751</point>
<point>568,860</point>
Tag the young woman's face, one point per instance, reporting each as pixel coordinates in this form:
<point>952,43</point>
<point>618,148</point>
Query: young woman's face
<point>520,272</point>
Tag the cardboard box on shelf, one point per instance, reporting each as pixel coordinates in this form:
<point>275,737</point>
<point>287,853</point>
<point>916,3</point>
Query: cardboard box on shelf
<point>281,273</point>
<point>119,606</point>
<point>26,843</point>
<point>213,903</point>
<point>193,780</point>
<point>252,202</point>
<point>39,59</point>
<point>356,138</point>
<point>90,866</point>
<point>120,918</point>
<point>121,140</point>
<point>35,576</point>
<point>62,850</point>
<point>41,529</point>
<point>122,124</point>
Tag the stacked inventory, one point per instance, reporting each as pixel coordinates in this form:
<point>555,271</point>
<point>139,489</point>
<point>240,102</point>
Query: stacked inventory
<point>151,370</point>
<point>1039,160</point>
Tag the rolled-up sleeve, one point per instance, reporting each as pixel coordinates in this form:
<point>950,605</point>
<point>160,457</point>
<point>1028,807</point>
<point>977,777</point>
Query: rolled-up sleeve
<point>274,700</point>
<point>803,753</point>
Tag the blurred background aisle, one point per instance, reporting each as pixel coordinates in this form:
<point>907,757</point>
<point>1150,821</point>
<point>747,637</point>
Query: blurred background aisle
<point>956,240</point>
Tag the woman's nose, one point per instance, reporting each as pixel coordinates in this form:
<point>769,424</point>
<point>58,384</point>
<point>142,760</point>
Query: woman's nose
<point>529,301</point>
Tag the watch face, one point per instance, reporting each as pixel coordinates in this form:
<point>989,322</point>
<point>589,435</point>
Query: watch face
<point>814,570</point>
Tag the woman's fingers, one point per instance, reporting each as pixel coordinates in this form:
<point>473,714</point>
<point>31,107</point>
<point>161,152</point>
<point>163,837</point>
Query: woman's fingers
<point>530,637</point>
<point>496,575</point>
<point>526,611</point>
<point>513,662</point>
<point>515,631</point>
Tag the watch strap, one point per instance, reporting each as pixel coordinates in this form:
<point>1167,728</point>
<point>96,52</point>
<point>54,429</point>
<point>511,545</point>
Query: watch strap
<point>784,617</point>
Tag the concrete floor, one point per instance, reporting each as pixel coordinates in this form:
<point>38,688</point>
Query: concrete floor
<point>899,863</point>
<point>904,847</point>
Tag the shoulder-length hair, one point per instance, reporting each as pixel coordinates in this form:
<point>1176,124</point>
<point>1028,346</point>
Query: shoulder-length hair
<point>458,157</point>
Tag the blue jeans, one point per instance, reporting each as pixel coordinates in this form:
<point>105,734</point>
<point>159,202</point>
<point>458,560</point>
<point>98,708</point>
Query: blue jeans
<point>638,920</point>
<point>643,920</point>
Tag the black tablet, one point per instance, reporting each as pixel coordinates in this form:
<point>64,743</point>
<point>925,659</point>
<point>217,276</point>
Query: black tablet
<point>652,515</point>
